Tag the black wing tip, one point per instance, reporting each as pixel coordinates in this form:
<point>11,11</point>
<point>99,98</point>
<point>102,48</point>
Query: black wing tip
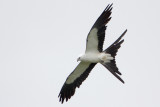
<point>66,92</point>
<point>109,7</point>
<point>104,18</point>
<point>63,97</point>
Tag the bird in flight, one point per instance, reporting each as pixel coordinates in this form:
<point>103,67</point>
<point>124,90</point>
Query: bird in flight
<point>94,54</point>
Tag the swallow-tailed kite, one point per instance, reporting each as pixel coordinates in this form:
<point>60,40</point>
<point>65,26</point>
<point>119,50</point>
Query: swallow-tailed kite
<point>94,54</point>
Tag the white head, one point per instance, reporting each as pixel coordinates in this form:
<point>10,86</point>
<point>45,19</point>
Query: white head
<point>79,57</point>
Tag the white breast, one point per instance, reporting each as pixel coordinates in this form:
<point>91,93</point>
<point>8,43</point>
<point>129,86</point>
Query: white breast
<point>91,57</point>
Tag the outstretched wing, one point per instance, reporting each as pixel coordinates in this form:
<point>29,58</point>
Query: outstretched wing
<point>75,79</point>
<point>96,35</point>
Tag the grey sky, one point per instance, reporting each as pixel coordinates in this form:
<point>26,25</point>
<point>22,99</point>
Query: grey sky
<point>40,41</point>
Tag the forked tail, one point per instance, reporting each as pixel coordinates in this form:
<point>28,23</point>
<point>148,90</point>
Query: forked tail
<point>113,49</point>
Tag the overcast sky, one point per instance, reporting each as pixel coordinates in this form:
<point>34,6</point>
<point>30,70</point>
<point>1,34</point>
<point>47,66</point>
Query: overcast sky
<point>40,41</point>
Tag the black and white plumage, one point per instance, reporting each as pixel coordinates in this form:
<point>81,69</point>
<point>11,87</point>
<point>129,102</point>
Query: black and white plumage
<point>94,54</point>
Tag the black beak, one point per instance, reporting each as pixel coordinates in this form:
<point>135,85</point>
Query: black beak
<point>78,59</point>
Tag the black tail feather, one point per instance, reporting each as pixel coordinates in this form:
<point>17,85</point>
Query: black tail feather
<point>113,49</point>
<point>113,72</point>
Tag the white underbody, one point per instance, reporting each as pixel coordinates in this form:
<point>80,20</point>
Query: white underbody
<point>96,57</point>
